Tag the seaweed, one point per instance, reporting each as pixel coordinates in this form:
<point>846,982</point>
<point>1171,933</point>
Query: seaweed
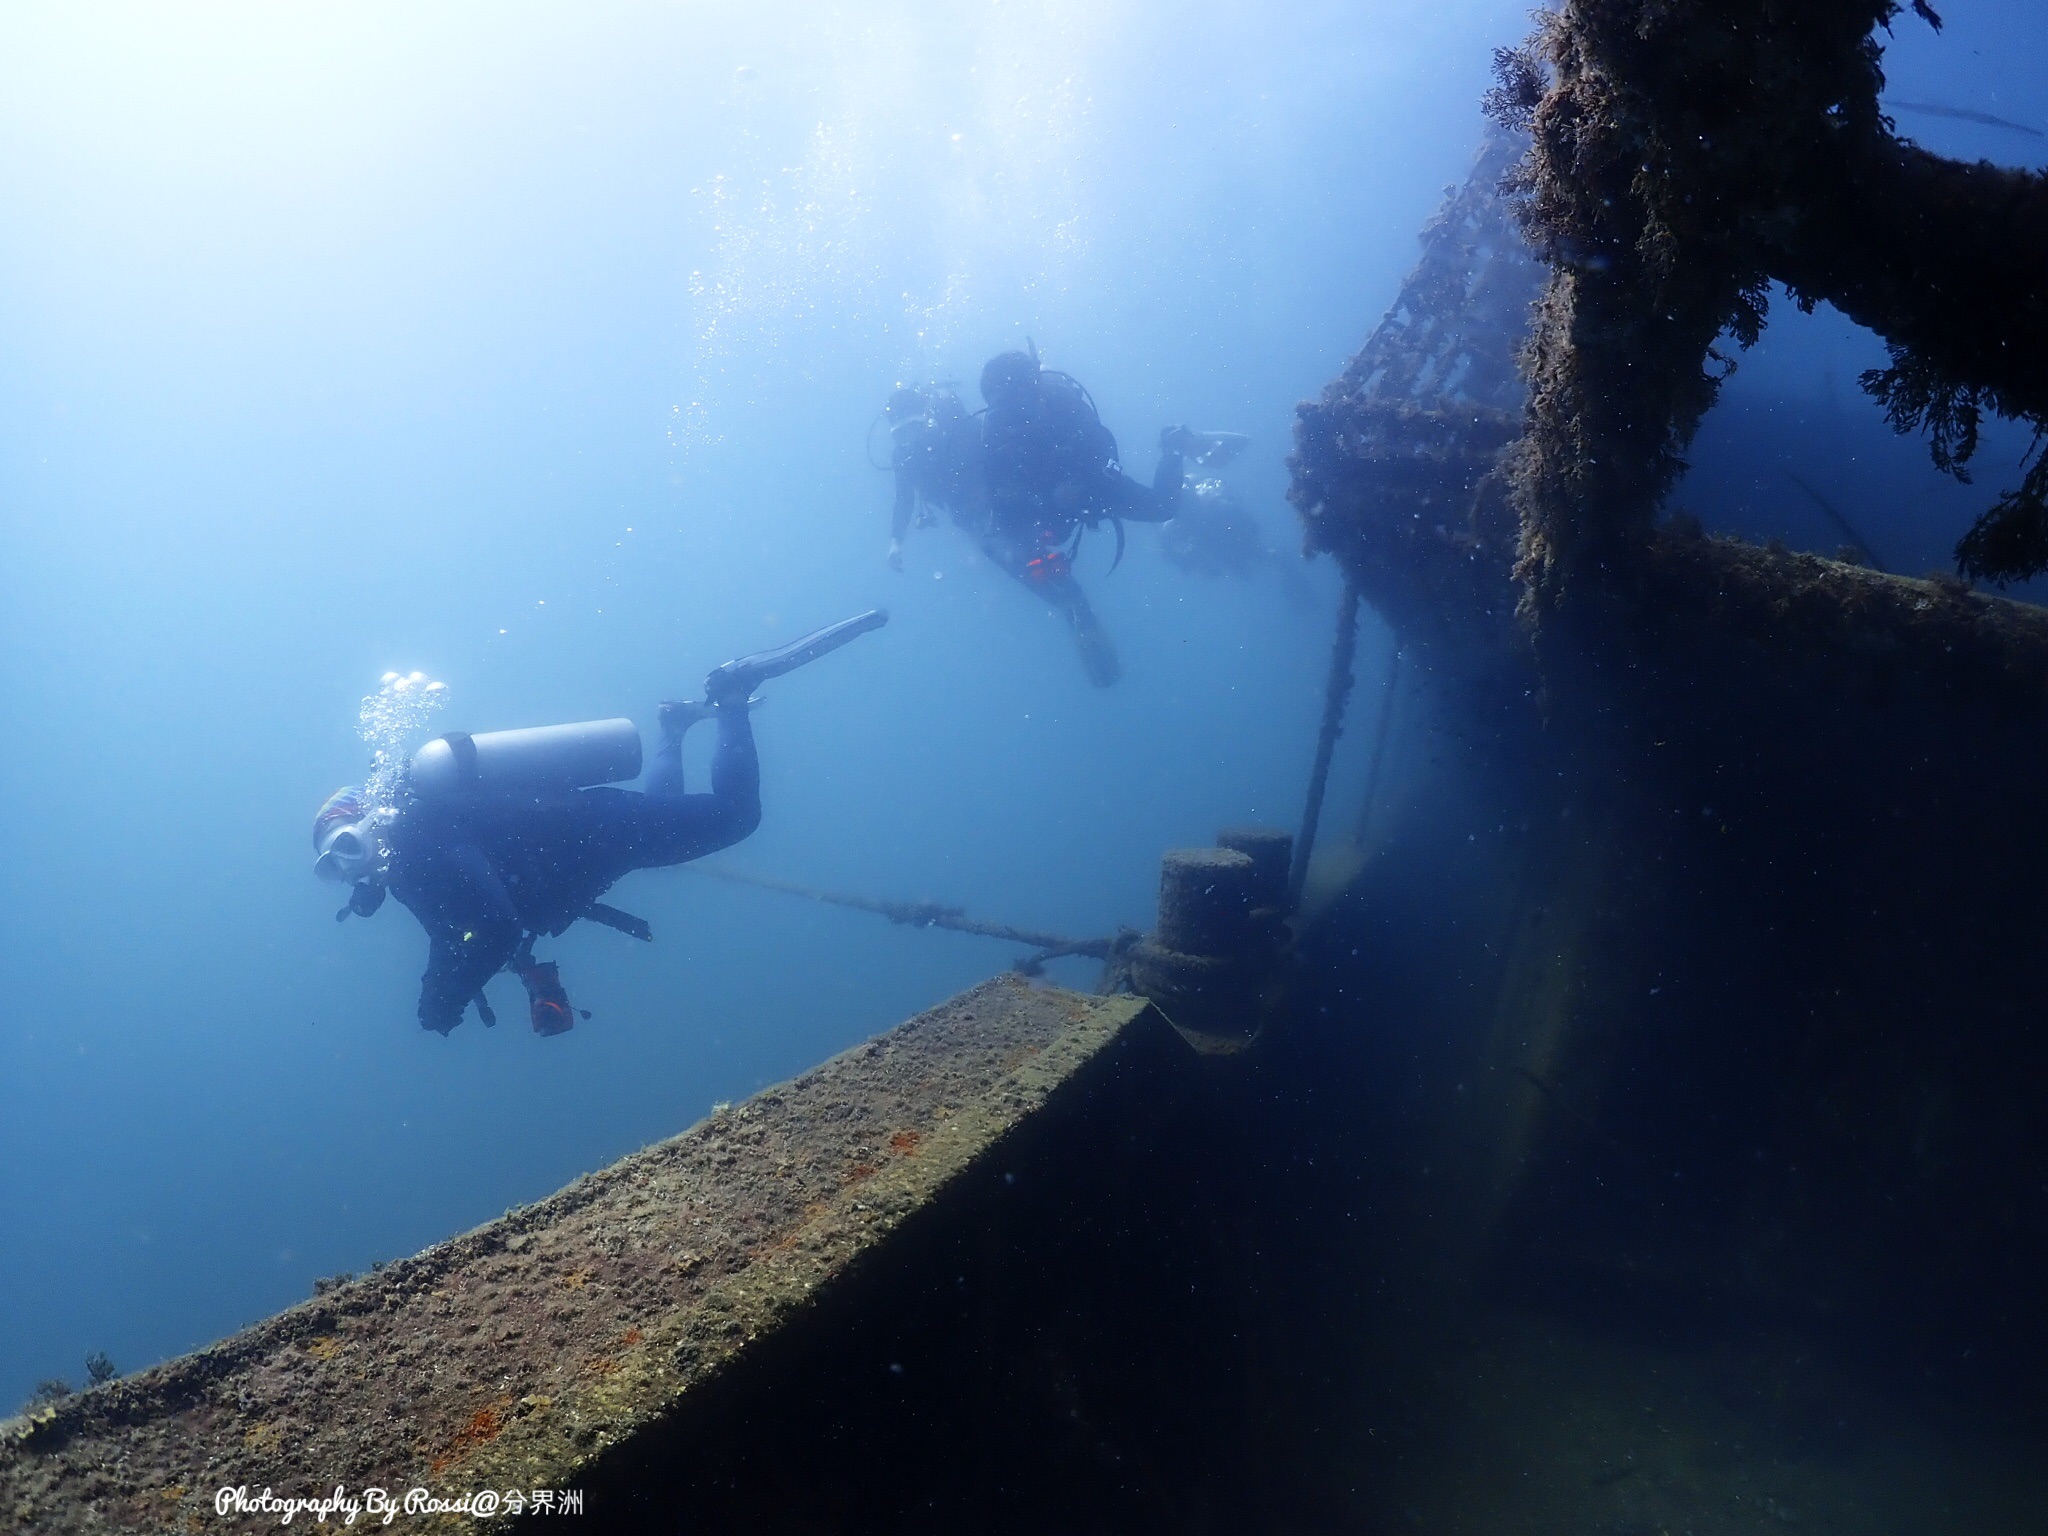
<point>2010,542</point>
<point>1519,84</point>
<point>1915,398</point>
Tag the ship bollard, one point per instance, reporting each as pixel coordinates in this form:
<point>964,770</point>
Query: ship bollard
<point>1217,964</point>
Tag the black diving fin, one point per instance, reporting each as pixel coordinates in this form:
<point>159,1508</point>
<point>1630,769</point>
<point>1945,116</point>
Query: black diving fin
<point>737,679</point>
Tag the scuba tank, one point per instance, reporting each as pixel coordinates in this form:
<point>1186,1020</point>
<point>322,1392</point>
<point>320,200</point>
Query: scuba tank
<point>1069,398</point>
<point>546,757</point>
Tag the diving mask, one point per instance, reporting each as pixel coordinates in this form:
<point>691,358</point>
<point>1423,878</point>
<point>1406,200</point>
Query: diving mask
<point>351,851</point>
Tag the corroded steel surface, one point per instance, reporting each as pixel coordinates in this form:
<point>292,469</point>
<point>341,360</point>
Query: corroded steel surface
<point>516,1354</point>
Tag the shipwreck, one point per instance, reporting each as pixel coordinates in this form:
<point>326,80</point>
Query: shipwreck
<point>1641,1126</point>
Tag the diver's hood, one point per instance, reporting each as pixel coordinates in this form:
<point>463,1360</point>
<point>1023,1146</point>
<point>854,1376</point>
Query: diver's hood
<point>352,851</point>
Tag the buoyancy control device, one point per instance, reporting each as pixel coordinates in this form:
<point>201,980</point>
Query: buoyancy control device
<point>539,759</point>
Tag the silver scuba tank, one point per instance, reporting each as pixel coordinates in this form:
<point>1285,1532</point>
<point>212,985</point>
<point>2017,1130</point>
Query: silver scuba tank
<point>544,757</point>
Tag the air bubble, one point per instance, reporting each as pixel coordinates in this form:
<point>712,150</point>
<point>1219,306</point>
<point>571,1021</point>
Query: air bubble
<point>391,721</point>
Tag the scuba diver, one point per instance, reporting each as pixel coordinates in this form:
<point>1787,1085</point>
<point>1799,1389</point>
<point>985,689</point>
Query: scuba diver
<point>1053,471</point>
<point>1050,458</point>
<point>935,455</point>
<point>1025,476</point>
<point>499,839</point>
<point>1214,533</point>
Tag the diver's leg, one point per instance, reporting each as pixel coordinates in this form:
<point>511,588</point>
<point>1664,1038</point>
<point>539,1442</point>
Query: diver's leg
<point>1014,555</point>
<point>736,768</point>
<point>664,779</point>
<point>1042,568</point>
<point>670,828</point>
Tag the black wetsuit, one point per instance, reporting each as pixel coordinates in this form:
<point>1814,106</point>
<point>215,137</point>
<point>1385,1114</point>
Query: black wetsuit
<point>1052,464</point>
<point>481,874</point>
<point>1020,480</point>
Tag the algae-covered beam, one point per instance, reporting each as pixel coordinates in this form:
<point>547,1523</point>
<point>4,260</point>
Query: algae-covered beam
<point>1944,261</point>
<point>1688,152</point>
<point>522,1355</point>
<point>1648,141</point>
<point>1943,258</point>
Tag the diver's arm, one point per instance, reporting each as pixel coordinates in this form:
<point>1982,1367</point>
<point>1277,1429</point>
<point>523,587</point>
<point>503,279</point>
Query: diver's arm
<point>1109,490</point>
<point>472,929</point>
<point>906,503</point>
<point>1119,495</point>
<point>900,515</point>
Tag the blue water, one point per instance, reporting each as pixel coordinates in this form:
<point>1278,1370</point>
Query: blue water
<point>536,348</point>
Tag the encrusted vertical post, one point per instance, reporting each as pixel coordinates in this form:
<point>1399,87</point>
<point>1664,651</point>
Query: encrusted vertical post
<point>1217,965</point>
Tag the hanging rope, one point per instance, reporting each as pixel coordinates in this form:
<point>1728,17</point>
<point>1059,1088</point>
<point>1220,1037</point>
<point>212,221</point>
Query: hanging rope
<point>1834,515</point>
<point>1379,746</point>
<point>927,914</point>
<point>1336,692</point>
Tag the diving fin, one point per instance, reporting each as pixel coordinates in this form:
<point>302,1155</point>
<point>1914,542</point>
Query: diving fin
<point>1098,653</point>
<point>737,679</point>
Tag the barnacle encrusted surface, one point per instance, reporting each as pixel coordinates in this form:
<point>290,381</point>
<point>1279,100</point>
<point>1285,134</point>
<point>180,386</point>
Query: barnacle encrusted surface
<point>521,1354</point>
